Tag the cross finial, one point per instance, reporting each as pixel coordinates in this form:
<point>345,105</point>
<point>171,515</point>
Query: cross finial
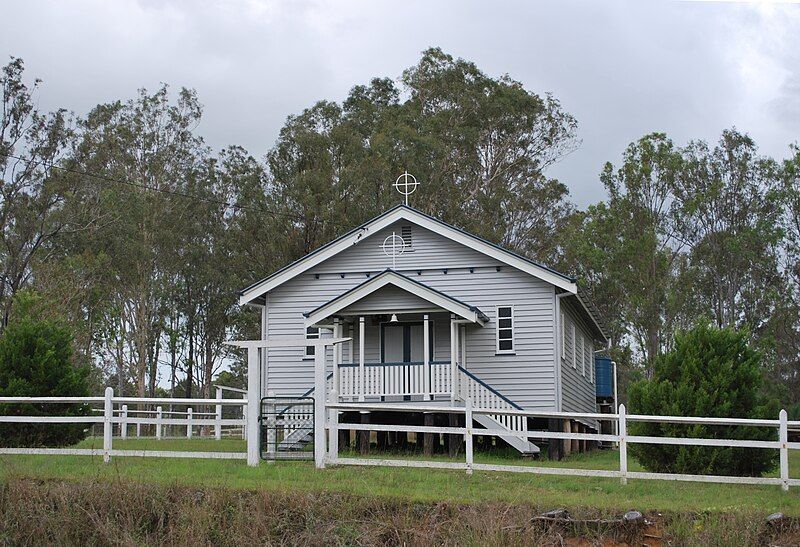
<point>406,184</point>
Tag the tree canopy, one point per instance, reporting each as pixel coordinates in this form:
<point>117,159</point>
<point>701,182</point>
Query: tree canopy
<point>140,234</point>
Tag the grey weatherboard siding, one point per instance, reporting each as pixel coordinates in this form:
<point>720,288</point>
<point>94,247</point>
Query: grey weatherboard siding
<point>577,389</point>
<point>527,377</point>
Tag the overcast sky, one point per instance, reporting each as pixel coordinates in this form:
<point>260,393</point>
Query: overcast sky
<point>622,69</point>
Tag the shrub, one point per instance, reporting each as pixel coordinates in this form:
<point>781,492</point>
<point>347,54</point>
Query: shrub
<point>36,361</point>
<point>710,372</point>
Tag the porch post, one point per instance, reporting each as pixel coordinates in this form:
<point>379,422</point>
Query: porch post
<point>319,407</point>
<point>253,401</point>
<point>426,362</point>
<point>463,340</point>
<point>337,359</point>
<point>333,414</point>
<point>361,380</point>
<point>453,358</point>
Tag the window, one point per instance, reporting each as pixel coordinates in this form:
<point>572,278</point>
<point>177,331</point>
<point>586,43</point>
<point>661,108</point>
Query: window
<point>590,358</point>
<point>505,329</point>
<point>574,348</point>
<point>312,333</point>
<point>581,354</point>
<point>405,233</point>
<point>563,338</point>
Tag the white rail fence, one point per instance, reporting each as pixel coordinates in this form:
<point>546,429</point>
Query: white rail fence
<point>116,412</point>
<point>781,425</point>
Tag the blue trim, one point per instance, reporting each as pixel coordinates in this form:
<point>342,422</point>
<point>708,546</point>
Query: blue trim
<point>490,388</point>
<point>394,364</point>
<point>310,391</point>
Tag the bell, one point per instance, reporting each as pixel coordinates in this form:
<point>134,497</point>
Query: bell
<point>393,319</point>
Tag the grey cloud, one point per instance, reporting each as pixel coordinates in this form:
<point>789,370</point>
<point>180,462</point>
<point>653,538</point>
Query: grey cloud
<point>622,68</point>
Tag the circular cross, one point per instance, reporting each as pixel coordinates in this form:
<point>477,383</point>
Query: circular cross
<point>394,245</point>
<point>407,185</point>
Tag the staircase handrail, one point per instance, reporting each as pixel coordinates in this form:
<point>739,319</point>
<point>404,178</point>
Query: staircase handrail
<point>490,388</point>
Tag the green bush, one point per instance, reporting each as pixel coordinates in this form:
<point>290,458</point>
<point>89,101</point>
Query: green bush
<point>36,361</point>
<point>710,372</point>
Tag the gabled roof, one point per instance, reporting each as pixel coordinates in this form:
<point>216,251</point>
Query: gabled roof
<point>403,212</point>
<point>391,277</point>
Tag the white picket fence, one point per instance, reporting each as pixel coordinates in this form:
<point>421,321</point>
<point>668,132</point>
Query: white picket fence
<point>781,425</point>
<point>116,412</point>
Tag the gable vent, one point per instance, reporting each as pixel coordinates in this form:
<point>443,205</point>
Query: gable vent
<point>406,234</point>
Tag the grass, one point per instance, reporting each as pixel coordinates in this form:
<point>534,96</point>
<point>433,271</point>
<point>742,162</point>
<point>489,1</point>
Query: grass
<point>411,484</point>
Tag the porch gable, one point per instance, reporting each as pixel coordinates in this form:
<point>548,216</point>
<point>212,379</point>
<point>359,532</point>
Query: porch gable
<point>415,290</point>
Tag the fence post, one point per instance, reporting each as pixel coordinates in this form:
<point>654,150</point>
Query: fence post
<point>333,433</point>
<point>253,408</point>
<point>271,423</point>
<point>108,416</point>
<point>244,422</point>
<point>623,445</point>
<point>159,416</point>
<point>783,438</point>
<point>218,417</point>
<point>319,406</point>
<point>138,429</point>
<point>468,434</point>
<point>123,424</point>
<point>189,423</point>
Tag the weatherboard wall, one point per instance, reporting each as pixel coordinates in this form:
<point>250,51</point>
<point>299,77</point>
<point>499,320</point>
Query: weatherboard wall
<point>526,377</point>
<point>578,388</point>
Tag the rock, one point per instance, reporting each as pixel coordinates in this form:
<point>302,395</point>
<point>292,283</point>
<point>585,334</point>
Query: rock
<point>775,519</point>
<point>632,516</point>
<point>557,514</point>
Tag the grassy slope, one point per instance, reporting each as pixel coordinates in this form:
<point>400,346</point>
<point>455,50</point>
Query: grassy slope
<point>413,484</point>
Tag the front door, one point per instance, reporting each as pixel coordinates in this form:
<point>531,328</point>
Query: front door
<point>403,343</point>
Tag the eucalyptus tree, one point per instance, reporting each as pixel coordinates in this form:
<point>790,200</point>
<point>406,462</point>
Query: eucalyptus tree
<point>32,193</point>
<point>140,153</point>
<point>784,324</point>
<point>627,249</point>
<point>479,145</point>
<point>730,217</point>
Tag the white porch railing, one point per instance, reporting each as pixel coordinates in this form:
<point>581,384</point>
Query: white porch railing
<point>408,380</point>
<point>393,379</point>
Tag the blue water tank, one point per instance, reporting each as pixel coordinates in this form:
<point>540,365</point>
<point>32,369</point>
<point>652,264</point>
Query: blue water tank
<point>604,374</point>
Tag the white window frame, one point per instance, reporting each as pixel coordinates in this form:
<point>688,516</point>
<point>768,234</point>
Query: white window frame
<point>583,355</point>
<point>513,349</point>
<point>574,346</point>
<point>590,359</point>
<point>563,338</point>
<point>311,336</point>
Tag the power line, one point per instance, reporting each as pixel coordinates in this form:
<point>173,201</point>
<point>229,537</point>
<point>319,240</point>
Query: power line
<point>156,189</point>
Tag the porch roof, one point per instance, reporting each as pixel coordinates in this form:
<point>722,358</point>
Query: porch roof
<point>391,277</point>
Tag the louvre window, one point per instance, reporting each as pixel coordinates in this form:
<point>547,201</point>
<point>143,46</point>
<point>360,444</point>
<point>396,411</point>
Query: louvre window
<point>505,329</point>
<point>405,233</point>
<point>312,333</point>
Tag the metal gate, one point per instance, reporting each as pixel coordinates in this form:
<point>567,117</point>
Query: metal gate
<point>287,428</point>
